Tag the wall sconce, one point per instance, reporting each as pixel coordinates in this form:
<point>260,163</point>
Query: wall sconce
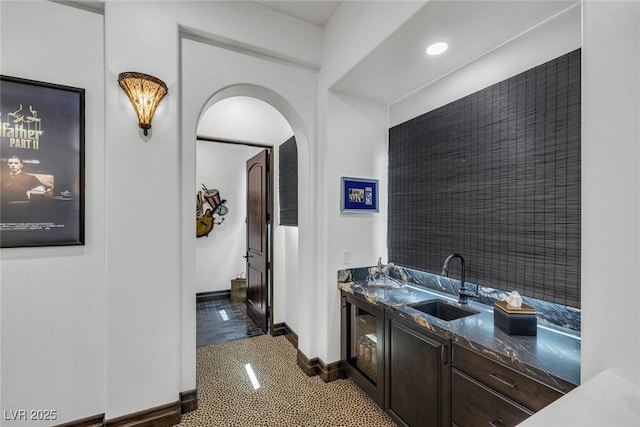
<point>145,93</point>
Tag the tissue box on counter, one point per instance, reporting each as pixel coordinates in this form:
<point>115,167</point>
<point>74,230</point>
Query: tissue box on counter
<point>515,320</point>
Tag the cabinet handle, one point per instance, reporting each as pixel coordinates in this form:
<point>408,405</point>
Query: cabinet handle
<point>443,355</point>
<point>504,381</point>
<point>496,423</point>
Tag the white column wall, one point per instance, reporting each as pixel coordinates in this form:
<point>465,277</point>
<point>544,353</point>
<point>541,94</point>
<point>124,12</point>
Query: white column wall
<point>53,298</point>
<point>357,135</point>
<point>610,182</point>
<point>142,200</point>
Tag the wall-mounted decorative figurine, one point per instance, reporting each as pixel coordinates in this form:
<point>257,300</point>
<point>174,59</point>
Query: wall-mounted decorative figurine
<point>379,272</point>
<point>206,221</point>
<point>359,195</point>
<point>41,164</point>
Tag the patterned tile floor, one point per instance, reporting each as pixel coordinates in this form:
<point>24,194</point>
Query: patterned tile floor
<point>222,320</point>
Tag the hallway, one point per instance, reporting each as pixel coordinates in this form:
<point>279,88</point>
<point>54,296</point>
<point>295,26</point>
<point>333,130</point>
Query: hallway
<point>222,320</point>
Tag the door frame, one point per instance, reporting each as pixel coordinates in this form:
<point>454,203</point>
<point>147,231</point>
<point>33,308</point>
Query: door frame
<point>270,220</point>
<point>270,206</point>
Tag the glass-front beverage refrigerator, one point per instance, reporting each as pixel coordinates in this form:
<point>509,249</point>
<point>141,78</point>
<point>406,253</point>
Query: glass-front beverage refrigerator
<point>362,345</point>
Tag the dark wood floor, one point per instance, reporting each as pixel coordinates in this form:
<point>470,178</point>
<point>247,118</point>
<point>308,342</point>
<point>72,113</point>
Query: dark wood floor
<point>223,320</point>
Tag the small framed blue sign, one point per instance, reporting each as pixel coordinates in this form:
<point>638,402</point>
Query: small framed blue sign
<point>359,195</point>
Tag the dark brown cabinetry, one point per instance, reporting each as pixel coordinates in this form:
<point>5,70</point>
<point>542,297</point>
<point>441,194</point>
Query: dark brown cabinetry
<point>362,345</point>
<point>421,379</point>
<point>402,367</point>
<point>486,392</point>
<point>417,375</point>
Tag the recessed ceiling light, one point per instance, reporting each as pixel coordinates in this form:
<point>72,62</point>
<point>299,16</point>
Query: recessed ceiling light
<point>437,48</point>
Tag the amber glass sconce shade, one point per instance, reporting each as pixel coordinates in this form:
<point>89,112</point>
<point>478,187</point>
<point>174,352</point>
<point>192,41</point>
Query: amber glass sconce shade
<point>145,93</point>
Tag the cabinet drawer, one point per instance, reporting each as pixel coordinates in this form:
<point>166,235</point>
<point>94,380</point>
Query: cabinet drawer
<point>473,404</point>
<point>524,390</point>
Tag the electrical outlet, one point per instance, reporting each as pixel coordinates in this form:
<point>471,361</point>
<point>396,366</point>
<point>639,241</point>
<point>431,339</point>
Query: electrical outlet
<point>346,257</point>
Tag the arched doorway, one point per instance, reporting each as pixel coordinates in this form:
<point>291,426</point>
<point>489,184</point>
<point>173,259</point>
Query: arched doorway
<point>230,132</point>
<point>298,112</point>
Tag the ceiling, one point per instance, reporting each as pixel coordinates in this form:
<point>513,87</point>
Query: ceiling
<point>312,11</point>
<point>399,65</point>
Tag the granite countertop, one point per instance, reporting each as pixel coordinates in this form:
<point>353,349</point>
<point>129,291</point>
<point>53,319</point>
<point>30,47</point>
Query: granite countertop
<point>552,357</point>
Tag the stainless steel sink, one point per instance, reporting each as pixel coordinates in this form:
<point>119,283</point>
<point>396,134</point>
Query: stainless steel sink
<point>443,309</point>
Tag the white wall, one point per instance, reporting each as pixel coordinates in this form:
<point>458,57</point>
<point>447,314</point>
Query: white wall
<point>219,255</point>
<point>142,206</point>
<point>610,199</point>
<point>357,135</point>
<point>353,31</point>
<point>244,119</point>
<point>286,274</point>
<point>287,278</point>
<point>53,299</point>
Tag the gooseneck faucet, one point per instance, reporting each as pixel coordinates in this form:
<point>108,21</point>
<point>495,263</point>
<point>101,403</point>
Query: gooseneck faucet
<point>464,293</point>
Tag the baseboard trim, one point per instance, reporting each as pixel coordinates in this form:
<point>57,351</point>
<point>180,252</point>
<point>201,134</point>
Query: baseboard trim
<point>284,329</point>
<point>213,295</point>
<point>93,421</point>
<point>330,372</point>
<point>160,416</point>
<point>188,401</point>
<point>308,366</point>
<point>315,366</point>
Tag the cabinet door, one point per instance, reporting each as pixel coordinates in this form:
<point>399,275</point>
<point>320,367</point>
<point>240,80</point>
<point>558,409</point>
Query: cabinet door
<point>474,404</point>
<point>526,391</point>
<point>417,375</point>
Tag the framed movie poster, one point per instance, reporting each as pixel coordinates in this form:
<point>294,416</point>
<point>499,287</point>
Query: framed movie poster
<point>359,195</point>
<point>41,164</point>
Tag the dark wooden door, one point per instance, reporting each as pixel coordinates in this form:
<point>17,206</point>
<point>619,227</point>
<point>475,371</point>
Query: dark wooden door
<point>417,376</point>
<point>258,238</point>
